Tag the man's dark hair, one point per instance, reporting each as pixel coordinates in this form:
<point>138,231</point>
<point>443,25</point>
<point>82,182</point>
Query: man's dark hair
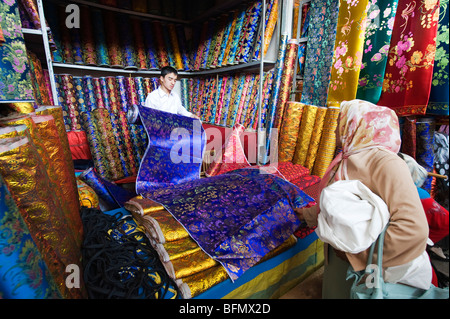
<point>167,70</point>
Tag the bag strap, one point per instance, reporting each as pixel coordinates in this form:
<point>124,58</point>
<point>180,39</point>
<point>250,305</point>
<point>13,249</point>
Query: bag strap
<point>380,241</point>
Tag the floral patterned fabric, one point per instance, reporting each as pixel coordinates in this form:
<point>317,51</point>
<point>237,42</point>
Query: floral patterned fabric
<point>23,273</point>
<point>409,72</point>
<point>15,80</point>
<point>348,50</point>
<point>380,21</point>
<point>319,52</point>
<point>236,217</point>
<point>439,99</point>
<point>359,132</point>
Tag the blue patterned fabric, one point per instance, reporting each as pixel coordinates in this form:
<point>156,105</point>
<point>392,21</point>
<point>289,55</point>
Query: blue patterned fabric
<point>237,217</point>
<point>319,53</point>
<point>23,273</point>
<point>15,80</point>
<point>169,160</point>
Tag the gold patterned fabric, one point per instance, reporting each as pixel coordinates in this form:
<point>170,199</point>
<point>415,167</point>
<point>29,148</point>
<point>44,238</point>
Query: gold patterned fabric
<point>22,107</point>
<point>161,226</point>
<point>315,138</point>
<point>327,146</point>
<point>142,206</point>
<point>289,130</point>
<point>202,281</point>
<point>304,134</point>
<point>348,50</point>
<point>189,264</point>
<point>30,186</point>
<point>46,127</point>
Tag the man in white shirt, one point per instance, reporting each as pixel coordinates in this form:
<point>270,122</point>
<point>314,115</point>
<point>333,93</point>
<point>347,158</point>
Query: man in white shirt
<point>163,98</point>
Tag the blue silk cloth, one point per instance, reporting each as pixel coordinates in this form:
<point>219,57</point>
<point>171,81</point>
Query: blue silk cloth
<point>23,273</point>
<point>236,217</point>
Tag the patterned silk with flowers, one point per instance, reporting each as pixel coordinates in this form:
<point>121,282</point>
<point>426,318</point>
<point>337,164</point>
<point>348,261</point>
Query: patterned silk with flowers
<point>439,95</point>
<point>380,21</point>
<point>409,72</point>
<point>348,50</point>
<point>15,80</point>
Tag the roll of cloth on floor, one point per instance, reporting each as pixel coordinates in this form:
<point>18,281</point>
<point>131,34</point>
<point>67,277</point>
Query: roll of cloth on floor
<point>408,134</point>
<point>315,138</point>
<point>304,134</point>
<point>289,130</point>
<point>409,72</point>
<point>42,132</point>
<point>29,184</point>
<point>327,146</point>
<point>108,141</point>
<point>113,195</point>
<point>24,273</point>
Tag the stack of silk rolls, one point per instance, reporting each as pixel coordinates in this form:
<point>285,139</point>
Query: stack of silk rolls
<point>307,135</point>
<point>185,262</point>
<point>37,168</point>
<point>98,106</point>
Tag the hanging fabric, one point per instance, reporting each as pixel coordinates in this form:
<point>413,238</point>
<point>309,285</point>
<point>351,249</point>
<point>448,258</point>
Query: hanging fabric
<point>377,39</point>
<point>439,99</point>
<point>409,72</point>
<point>348,50</point>
<point>15,80</point>
<point>319,51</point>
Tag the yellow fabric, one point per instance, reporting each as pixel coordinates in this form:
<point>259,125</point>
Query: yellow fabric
<point>142,206</point>
<point>315,138</point>
<point>273,18</point>
<point>22,107</point>
<point>348,50</point>
<point>327,146</point>
<point>289,130</point>
<point>202,281</point>
<point>272,283</point>
<point>87,196</point>
<point>304,134</point>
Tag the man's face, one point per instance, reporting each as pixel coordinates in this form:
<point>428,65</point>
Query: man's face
<point>168,82</point>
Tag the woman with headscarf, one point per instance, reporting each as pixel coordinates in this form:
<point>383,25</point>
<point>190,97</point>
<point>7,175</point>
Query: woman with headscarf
<point>369,136</point>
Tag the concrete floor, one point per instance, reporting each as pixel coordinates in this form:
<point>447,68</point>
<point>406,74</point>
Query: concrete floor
<point>310,288</point>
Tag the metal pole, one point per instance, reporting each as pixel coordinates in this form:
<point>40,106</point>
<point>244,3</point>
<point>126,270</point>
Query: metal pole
<point>48,53</point>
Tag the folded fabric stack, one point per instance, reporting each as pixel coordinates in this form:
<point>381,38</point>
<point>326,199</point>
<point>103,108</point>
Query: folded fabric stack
<point>185,262</point>
<point>192,269</point>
